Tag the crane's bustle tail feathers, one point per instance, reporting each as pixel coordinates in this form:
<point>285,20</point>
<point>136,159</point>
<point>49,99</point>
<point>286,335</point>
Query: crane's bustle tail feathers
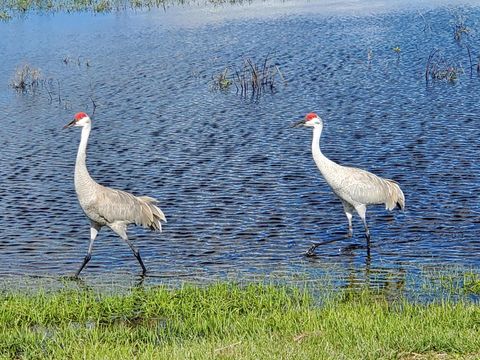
<point>394,196</point>
<point>151,213</point>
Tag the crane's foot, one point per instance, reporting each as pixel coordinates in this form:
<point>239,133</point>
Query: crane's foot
<point>311,252</point>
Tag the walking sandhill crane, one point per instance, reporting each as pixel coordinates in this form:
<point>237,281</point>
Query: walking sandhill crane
<point>110,207</point>
<point>354,187</point>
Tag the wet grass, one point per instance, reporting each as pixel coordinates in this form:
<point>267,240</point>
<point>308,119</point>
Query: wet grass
<point>230,321</point>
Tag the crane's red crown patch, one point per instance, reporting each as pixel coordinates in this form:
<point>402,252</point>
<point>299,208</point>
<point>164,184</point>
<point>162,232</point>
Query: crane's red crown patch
<point>311,116</point>
<point>80,115</point>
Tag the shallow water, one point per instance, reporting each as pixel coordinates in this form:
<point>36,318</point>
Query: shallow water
<point>240,190</point>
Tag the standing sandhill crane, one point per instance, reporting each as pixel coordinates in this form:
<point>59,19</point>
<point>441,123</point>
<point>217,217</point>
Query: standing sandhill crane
<point>109,207</point>
<point>354,187</point>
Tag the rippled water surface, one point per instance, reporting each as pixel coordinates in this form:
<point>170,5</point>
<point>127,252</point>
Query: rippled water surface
<point>241,192</point>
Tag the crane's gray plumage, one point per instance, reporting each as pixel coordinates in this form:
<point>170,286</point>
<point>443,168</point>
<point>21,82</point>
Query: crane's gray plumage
<point>356,188</point>
<point>104,206</point>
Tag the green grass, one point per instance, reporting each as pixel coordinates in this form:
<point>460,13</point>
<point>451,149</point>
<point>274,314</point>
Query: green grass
<point>228,321</point>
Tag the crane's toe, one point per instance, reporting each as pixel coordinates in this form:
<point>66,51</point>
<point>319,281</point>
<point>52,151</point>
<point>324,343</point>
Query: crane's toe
<point>311,252</point>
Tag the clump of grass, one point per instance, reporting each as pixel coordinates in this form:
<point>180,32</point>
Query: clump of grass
<point>221,321</point>
<point>467,283</point>
<point>255,79</point>
<point>23,5</point>
<point>26,78</point>
<point>222,81</point>
<point>250,79</point>
<point>4,16</point>
<point>439,68</point>
<point>102,6</point>
<point>471,283</point>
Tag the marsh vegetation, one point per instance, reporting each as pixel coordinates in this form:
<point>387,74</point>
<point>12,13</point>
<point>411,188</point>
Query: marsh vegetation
<point>251,79</point>
<point>8,9</point>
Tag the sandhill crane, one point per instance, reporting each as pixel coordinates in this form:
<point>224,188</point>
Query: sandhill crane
<point>109,207</point>
<point>354,187</point>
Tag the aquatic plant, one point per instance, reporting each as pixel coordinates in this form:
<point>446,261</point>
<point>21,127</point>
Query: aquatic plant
<point>460,29</point>
<point>102,6</point>
<point>4,16</point>
<point>23,5</point>
<point>26,78</point>
<point>369,58</point>
<point>251,78</point>
<point>222,81</point>
<point>440,68</point>
<point>397,51</point>
<point>79,61</point>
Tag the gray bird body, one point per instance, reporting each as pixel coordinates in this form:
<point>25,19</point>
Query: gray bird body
<point>109,207</point>
<point>359,187</point>
<point>356,188</point>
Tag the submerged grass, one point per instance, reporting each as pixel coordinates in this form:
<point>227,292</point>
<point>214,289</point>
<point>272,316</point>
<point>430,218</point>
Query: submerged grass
<point>230,321</point>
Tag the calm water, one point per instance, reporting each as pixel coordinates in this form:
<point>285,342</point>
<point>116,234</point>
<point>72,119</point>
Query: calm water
<point>240,190</point>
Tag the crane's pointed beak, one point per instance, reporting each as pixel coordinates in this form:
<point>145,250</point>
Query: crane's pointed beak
<point>298,123</point>
<point>70,124</point>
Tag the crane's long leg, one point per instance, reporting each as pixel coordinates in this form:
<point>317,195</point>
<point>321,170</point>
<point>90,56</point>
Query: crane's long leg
<point>362,210</point>
<point>94,229</point>
<point>349,214</point>
<point>121,230</point>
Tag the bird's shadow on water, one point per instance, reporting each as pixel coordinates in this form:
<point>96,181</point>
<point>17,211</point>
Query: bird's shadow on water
<point>348,251</point>
<point>344,249</point>
<point>356,260</point>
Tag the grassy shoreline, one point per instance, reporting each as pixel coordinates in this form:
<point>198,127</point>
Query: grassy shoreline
<point>229,321</point>
<point>11,8</point>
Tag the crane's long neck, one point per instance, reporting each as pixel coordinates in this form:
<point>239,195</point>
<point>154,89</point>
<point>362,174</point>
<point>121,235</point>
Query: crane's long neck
<point>82,177</point>
<point>323,163</point>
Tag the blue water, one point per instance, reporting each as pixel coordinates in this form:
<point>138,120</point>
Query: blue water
<point>239,187</point>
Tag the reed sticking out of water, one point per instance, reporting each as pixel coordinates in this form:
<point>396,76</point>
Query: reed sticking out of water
<point>439,68</point>
<point>27,78</point>
<point>460,29</point>
<point>251,79</point>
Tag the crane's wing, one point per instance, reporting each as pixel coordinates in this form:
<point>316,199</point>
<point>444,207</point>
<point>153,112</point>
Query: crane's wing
<point>117,205</point>
<point>361,186</point>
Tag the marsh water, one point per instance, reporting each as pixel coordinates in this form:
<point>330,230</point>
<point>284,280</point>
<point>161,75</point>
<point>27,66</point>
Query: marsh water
<point>240,190</point>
